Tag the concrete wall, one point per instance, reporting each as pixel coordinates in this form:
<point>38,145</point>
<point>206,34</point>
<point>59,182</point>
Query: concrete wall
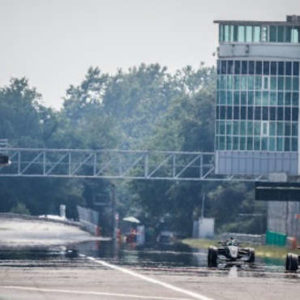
<point>256,162</point>
<point>268,51</point>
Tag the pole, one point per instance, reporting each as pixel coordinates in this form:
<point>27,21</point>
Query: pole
<point>203,205</point>
<point>113,206</point>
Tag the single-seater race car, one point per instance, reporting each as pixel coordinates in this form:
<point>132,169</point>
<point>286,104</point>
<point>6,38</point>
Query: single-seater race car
<point>229,251</point>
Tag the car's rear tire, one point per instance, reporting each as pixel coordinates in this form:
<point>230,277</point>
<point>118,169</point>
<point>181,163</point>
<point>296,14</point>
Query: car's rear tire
<point>291,262</point>
<point>212,257</point>
<point>251,258</point>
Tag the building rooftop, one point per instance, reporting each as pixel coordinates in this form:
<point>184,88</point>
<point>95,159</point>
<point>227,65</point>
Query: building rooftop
<point>292,20</point>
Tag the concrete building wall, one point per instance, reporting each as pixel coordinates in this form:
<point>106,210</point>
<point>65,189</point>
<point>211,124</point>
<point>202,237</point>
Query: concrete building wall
<point>256,162</point>
<point>260,51</point>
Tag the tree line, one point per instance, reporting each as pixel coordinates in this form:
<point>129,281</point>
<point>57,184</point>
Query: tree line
<point>146,108</point>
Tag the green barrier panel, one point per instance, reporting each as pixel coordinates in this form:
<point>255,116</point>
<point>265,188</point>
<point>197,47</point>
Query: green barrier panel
<point>275,238</point>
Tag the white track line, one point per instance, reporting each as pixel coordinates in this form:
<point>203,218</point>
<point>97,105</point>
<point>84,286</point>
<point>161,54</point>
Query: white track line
<point>149,279</point>
<point>130,296</point>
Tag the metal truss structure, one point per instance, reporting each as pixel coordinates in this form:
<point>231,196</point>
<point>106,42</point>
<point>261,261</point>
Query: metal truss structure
<point>114,164</point>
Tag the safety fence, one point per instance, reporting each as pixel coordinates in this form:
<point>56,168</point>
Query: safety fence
<point>89,219</point>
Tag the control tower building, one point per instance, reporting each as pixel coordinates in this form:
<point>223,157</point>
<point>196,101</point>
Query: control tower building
<point>257,111</point>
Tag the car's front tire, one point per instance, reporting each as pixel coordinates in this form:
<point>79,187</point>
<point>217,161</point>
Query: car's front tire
<point>291,262</point>
<point>251,258</point>
<point>212,257</point>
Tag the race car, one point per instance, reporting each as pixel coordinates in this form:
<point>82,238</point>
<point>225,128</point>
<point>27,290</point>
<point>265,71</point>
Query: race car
<point>229,251</point>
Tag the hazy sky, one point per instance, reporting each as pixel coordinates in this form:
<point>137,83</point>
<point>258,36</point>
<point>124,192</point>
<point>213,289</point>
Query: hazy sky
<point>53,42</point>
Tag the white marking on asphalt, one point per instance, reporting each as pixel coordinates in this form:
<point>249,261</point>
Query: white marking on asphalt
<point>233,272</point>
<point>149,279</point>
<point>25,288</point>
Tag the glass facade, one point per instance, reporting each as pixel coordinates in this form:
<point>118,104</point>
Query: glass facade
<point>259,33</point>
<point>257,103</point>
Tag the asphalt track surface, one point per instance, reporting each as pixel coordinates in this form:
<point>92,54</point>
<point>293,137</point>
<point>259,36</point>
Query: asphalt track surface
<point>61,275</point>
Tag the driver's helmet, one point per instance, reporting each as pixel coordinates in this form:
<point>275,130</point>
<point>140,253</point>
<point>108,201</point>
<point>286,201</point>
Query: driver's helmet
<point>231,242</point>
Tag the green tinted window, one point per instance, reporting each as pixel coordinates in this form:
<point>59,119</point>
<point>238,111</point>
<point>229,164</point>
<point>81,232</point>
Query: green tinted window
<point>294,144</point>
<point>296,84</point>
<point>256,143</point>
<point>236,128</point>
<point>288,83</point>
<point>231,30</point>
<point>258,82</point>
<point>287,144</point>
<point>229,82</point>
<point>229,127</point>
<point>229,98</point>
<point>273,98</point>
<point>250,82</point>
<point>241,33</point>
<point>257,127</point>
<point>236,98</point>
<point>265,98</point>
<point>288,34</point>
<point>248,33</point>
<point>221,33</point>
<point>273,33</point>
<point>235,145</point>
<point>256,35</point>
<point>294,129</point>
<point>280,34</point>
<point>250,98</point>
<point>226,33</point>
<point>280,98</point>
<point>279,129</point>
<point>287,129</point>
<point>235,33</point>
<point>222,143</point>
<point>243,128</point>
<point>242,143</point>
<point>272,128</point>
<point>295,35</point>
<point>236,82</point>
<point>264,33</point>
<point>280,83</point>
<point>222,97</point>
<point>273,83</point>
<point>228,143</point>
<point>249,143</point>
<point>279,144</point>
<point>265,82</point>
<point>249,128</point>
<point>295,99</point>
<point>257,98</point>
<point>264,144</point>
<point>244,82</point>
<point>243,98</point>
<point>287,99</point>
<point>272,144</point>
<point>222,127</point>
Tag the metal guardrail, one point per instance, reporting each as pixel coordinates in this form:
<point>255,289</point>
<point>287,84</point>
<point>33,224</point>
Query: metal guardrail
<point>114,164</point>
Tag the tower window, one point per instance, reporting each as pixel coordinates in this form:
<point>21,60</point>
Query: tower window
<point>265,128</point>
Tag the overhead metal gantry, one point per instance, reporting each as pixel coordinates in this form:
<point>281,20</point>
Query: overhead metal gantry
<point>114,164</point>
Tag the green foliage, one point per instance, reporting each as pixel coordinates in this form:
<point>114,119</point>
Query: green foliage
<point>20,208</point>
<point>145,107</point>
